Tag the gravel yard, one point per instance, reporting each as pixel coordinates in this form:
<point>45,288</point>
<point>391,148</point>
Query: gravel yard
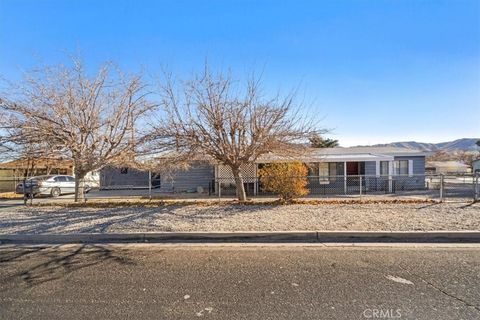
<point>398,217</point>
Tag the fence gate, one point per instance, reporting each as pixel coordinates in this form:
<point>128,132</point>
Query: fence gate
<point>460,187</point>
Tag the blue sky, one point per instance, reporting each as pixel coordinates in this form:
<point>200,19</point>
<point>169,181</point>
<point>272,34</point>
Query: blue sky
<point>373,71</point>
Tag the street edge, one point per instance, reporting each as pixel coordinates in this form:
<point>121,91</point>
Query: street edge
<point>251,236</point>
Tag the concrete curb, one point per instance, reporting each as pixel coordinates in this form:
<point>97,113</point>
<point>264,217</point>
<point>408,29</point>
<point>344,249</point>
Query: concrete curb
<point>259,237</point>
<point>399,236</point>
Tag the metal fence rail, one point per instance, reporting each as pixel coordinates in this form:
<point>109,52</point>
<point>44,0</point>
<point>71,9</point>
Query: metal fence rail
<point>351,185</point>
<point>430,186</point>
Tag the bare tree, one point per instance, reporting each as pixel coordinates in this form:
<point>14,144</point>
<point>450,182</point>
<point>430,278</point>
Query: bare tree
<point>441,155</point>
<point>212,115</point>
<point>467,157</point>
<point>7,150</point>
<point>63,111</point>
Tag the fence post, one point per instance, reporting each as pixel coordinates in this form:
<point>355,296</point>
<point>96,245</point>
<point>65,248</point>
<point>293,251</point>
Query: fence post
<point>477,188</point>
<point>149,185</point>
<point>360,183</point>
<point>31,193</point>
<point>219,189</point>
<point>25,199</point>
<point>441,187</point>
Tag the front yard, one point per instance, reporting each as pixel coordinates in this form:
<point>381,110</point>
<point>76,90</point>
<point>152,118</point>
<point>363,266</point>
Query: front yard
<point>229,217</point>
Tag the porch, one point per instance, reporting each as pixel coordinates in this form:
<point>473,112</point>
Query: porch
<point>334,175</point>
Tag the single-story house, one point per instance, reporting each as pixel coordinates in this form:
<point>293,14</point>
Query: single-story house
<point>331,171</point>
<point>447,167</point>
<point>476,166</point>
<point>199,174</point>
<point>13,172</point>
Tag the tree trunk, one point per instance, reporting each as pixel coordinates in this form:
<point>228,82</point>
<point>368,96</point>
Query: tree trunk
<point>237,174</point>
<point>79,186</point>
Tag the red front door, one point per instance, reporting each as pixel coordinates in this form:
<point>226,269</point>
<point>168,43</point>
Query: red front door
<point>352,168</point>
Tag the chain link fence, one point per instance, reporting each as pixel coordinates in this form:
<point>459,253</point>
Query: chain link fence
<point>429,186</point>
<point>460,188</point>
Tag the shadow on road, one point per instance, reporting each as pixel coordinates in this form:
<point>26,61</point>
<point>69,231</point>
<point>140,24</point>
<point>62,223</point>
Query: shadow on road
<point>11,204</point>
<point>56,262</point>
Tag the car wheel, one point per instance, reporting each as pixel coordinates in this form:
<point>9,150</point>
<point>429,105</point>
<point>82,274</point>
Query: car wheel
<point>55,192</point>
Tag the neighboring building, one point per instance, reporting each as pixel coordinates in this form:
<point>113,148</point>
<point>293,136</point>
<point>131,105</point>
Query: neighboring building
<point>92,179</point>
<point>476,166</point>
<point>447,167</point>
<point>200,174</point>
<point>14,171</point>
<point>331,171</point>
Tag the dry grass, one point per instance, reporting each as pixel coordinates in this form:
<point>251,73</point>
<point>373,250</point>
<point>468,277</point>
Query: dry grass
<point>113,203</point>
<point>10,195</point>
<point>227,217</point>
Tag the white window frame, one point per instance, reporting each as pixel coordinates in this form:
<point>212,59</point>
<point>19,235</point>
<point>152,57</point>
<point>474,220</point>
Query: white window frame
<point>323,173</point>
<point>396,168</point>
<point>380,168</point>
<point>333,177</point>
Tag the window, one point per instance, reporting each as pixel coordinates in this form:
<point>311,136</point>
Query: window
<point>323,172</point>
<point>361,168</point>
<point>400,167</point>
<point>61,179</point>
<point>124,170</point>
<point>333,171</point>
<point>383,168</point>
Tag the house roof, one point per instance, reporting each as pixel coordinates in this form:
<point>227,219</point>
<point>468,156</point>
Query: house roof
<point>337,154</point>
<point>38,163</point>
<point>319,157</point>
<point>391,151</point>
<point>346,154</point>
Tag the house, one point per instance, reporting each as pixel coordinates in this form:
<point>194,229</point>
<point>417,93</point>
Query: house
<point>14,171</point>
<point>200,174</point>
<point>476,166</point>
<point>447,167</point>
<point>331,171</point>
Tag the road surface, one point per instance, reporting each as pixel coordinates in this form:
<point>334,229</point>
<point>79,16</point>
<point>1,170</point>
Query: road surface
<point>236,282</point>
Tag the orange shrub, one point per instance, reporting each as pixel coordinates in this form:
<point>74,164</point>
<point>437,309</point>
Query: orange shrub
<point>288,180</point>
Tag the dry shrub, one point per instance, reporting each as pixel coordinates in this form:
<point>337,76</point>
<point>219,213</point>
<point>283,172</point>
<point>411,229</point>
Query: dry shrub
<point>288,180</point>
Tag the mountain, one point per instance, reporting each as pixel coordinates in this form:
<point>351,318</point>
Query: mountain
<point>464,144</point>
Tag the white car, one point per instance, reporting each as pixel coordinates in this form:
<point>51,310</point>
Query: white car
<point>48,185</point>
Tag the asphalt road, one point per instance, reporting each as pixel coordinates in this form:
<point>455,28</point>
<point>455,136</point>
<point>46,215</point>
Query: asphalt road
<point>234,282</point>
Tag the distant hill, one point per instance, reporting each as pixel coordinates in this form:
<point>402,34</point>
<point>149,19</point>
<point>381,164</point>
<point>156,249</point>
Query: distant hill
<point>464,144</point>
